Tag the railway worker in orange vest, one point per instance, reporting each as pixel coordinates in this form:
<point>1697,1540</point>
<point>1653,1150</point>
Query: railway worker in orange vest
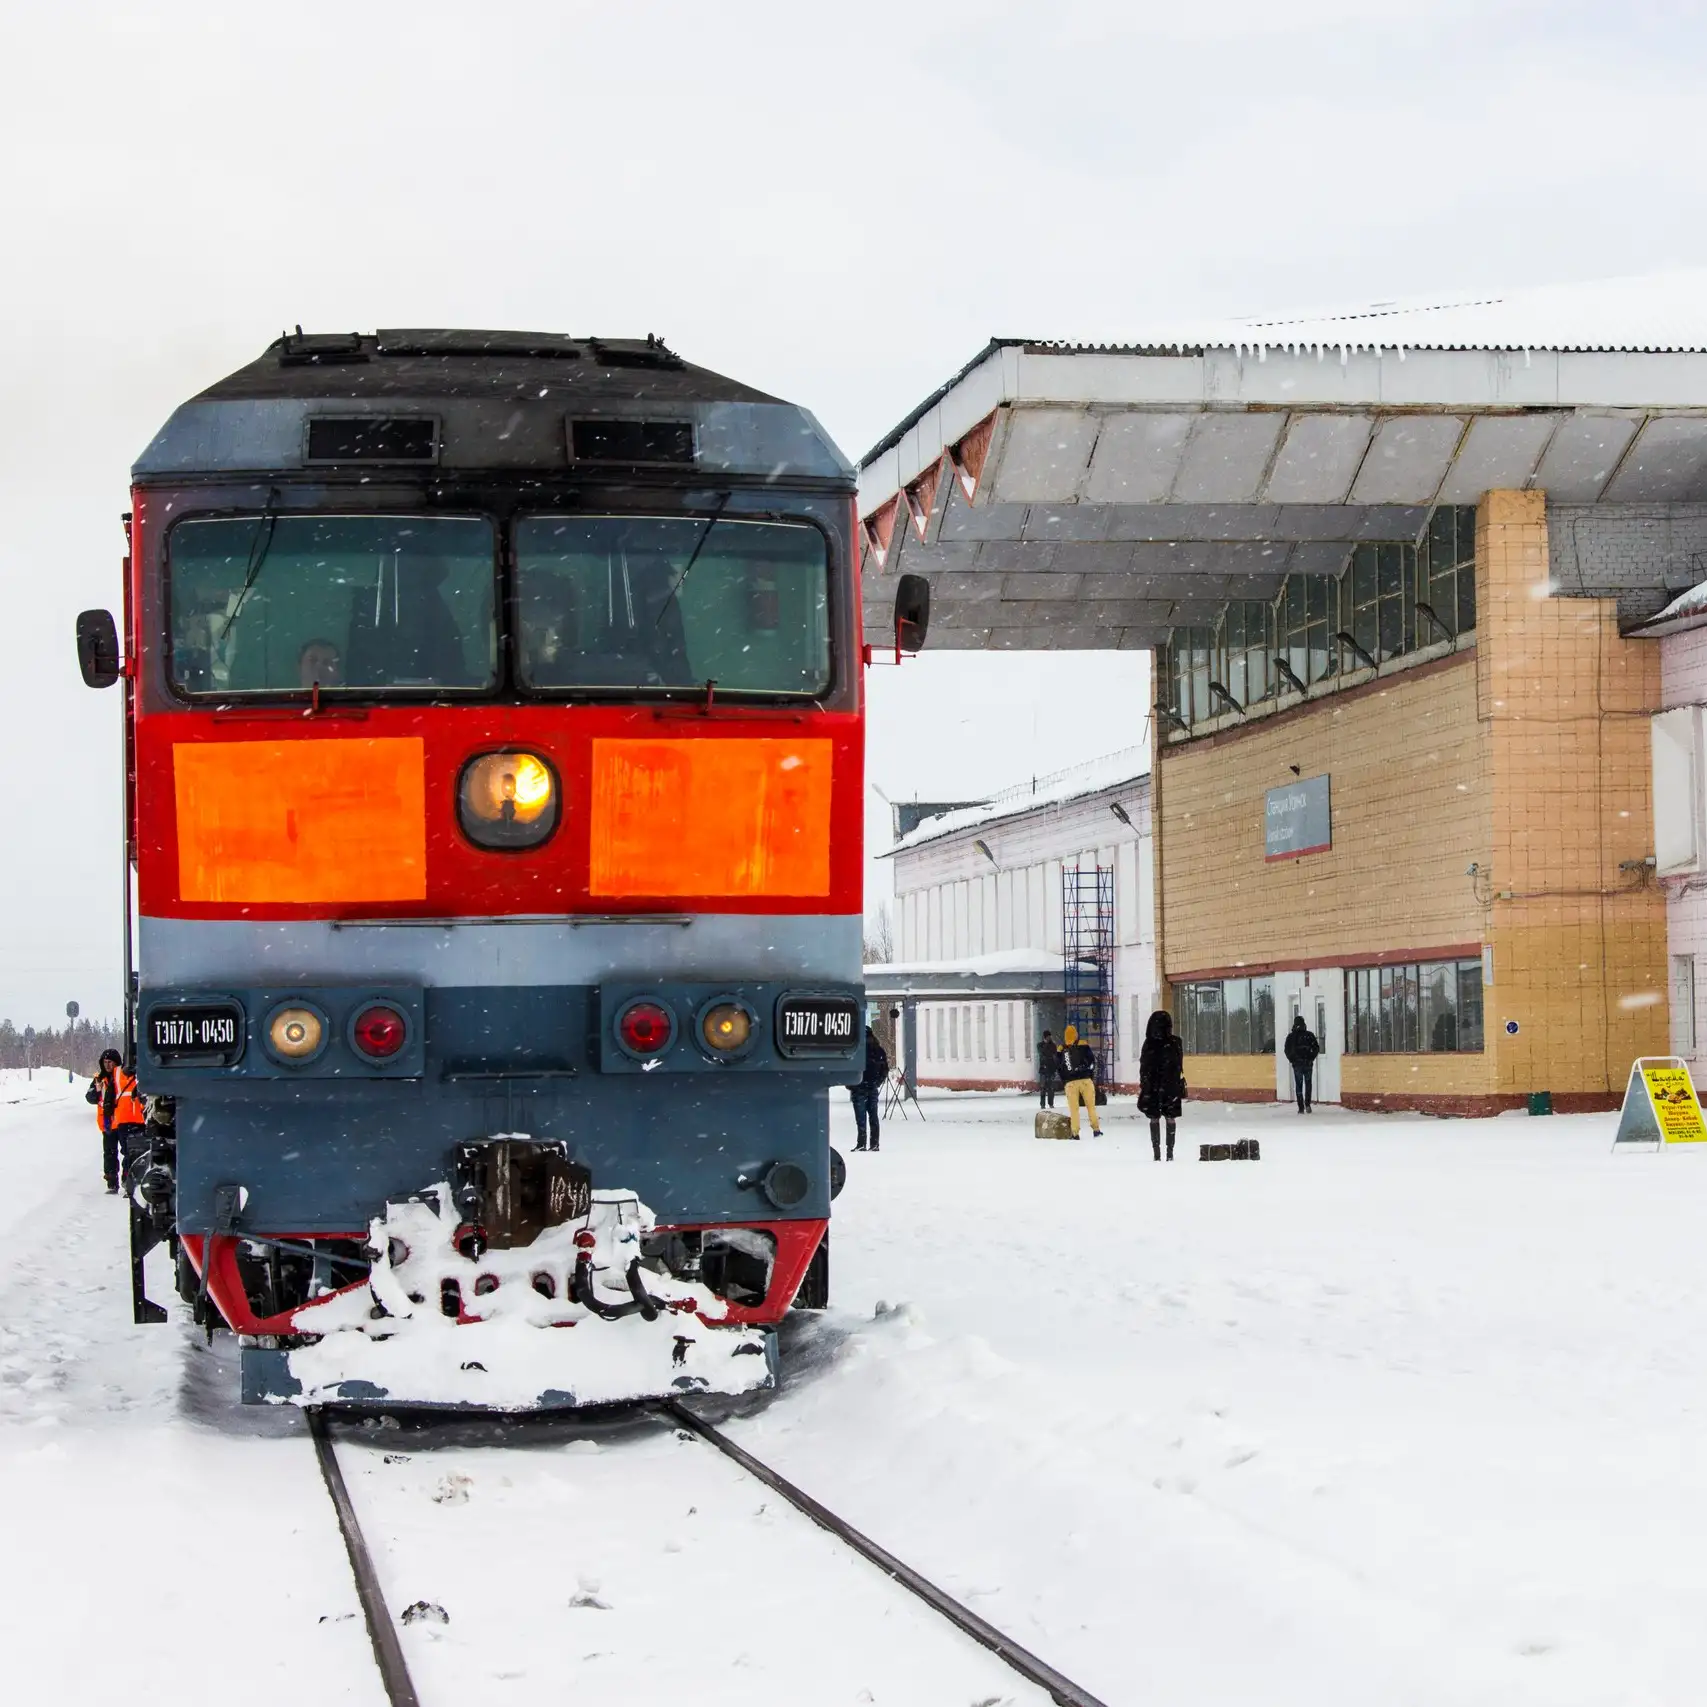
<point>119,1110</point>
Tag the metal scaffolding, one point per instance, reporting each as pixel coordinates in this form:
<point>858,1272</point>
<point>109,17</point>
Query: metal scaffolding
<point>1087,959</point>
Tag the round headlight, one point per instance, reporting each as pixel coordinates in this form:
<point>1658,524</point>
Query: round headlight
<point>726,1028</point>
<point>295,1034</point>
<point>507,800</point>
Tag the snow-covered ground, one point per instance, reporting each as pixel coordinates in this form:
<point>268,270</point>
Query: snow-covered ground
<point>1407,1412</point>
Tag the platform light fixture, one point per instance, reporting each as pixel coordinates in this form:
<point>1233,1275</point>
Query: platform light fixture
<point>1349,641</point>
<point>983,847</point>
<point>1122,814</point>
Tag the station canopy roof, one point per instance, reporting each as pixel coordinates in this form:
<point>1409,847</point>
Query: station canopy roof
<point>1095,495</point>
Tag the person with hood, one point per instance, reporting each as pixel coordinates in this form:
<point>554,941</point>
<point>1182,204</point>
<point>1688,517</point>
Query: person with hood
<point>1302,1048</point>
<point>1048,1070</point>
<point>119,1111</point>
<point>1161,1080</point>
<point>866,1093</point>
<point>1079,1069</point>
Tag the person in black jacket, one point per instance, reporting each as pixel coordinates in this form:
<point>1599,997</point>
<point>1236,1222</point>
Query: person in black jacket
<point>1161,1080</point>
<point>1048,1071</point>
<point>1302,1048</point>
<point>1079,1071</point>
<point>869,1088</point>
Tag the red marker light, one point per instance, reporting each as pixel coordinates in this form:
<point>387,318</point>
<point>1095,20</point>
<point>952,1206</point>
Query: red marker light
<point>379,1032</point>
<point>645,1028</point>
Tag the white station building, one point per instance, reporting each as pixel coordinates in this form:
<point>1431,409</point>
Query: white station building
<point>984,925</point>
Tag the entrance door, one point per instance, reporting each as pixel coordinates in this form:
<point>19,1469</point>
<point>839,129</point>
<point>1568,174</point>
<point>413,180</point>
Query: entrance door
<point>1319,996</point>
<point>1289,1003</point>
<point>1325,1015</point>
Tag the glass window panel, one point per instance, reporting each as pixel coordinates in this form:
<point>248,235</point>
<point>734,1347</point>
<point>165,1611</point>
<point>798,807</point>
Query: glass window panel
<point>1236,1002</point>
<point>1262,1016</point>
<point>1440,1008</point>
<point>1365,630</point>
<point>1469,1004</point>
<point>1363,576</point>
<point>280,604</point>
<point>672,601</point>
<point>1209,1025</point>
<point>1390,564</point>
<point>1466,600</point>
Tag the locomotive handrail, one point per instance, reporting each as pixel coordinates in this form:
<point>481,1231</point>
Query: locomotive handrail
<point>575,921</point>
<point>453,1076</point>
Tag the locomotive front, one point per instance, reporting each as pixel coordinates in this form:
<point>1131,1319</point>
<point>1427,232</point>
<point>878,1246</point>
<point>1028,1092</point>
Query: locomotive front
<point>494,739</point>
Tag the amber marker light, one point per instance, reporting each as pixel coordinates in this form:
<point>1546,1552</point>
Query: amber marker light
<point>295,1034</point>
<point>507,800</point>
<point>726,1028</point>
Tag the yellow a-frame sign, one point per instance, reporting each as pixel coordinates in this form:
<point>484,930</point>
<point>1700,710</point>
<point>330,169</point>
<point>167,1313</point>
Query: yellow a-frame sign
<point>1660,1105</point>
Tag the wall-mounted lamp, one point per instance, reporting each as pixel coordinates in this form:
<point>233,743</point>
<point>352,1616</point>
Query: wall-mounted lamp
<point>1282,668</point>
<point>984,848</point>
<point>1122,814</point>
<point>1349,642</point>
<point>1227,697</point>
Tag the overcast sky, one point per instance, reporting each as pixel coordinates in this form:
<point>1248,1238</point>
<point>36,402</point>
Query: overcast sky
<point>838,204</point>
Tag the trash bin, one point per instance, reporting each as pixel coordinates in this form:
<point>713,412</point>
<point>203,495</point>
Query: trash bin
<point>1540,1102</point>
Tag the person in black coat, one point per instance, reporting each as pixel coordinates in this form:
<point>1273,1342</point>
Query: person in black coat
<point>1161,1080</point>
<point>1302,1048</point>
<point>1048,1071</point>
<point>865,1094</point>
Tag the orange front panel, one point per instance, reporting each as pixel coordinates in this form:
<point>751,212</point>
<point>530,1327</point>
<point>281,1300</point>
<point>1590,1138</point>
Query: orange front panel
<point>708,817</point>
<point>301,821</point>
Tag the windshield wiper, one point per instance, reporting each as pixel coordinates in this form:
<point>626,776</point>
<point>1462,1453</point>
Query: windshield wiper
<point>711,521</point>
<point>259,546</point>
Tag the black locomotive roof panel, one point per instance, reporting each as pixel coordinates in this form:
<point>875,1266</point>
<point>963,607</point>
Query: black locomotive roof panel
<point>515,365</point>
<point>482,400</point>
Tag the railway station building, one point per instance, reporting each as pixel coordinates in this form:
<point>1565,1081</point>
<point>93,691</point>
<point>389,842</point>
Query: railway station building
<point>993,903</point>
<point>1427,733</point>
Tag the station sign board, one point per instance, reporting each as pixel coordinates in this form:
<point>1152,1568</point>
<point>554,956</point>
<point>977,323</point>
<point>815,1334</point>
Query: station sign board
<point>1297,819</point>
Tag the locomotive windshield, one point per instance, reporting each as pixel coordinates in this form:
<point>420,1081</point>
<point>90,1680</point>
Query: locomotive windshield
<point>285,603</point>
<point>636,602</point>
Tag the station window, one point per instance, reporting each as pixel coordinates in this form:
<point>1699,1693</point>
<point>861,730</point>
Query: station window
<point>1227,1016</point>
<point>1391,599</point>
<point>1433,1007</point>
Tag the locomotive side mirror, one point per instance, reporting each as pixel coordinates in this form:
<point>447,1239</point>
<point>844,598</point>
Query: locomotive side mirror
<point>912,612</point>
<point>98,648</point>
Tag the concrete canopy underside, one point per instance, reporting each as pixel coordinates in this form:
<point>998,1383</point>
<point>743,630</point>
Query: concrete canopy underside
<point>1061,499</point>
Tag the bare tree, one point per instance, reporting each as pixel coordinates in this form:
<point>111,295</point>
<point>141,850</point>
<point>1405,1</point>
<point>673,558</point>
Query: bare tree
<point>879,936</point>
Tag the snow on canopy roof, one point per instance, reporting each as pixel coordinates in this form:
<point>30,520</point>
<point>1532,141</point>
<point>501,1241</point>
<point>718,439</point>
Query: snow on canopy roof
<point>1090,776</point>
<point>1687,610</point>
<point>1656,312</point>
<point>977,965</point>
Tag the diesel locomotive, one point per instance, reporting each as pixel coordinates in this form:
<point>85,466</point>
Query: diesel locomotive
<point>493,734</point>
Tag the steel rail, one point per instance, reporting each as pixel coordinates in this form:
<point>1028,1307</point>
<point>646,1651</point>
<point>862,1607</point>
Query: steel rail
<point>387,1650</point>
<point>1062,1690</point>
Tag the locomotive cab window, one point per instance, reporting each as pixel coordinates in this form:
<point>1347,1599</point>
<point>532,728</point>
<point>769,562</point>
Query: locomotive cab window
<point>646,602</point>
<point>288,603</point>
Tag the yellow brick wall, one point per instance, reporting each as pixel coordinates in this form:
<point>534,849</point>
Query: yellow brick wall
<point>1579,945</point>
<point>1410,811</point>
<point>1205,1073</point>
<point>1464,1075</point>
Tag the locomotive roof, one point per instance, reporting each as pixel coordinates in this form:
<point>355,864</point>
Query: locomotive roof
<point>494,401</point>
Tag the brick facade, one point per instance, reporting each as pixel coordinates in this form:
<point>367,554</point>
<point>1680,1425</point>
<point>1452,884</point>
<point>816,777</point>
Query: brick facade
<point>1525,755</point>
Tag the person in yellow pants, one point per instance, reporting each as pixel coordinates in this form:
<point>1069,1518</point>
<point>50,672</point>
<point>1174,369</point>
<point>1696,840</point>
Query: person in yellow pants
<point>1079,1068</point>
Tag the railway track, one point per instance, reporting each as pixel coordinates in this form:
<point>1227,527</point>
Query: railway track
<point>382,1626</point>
